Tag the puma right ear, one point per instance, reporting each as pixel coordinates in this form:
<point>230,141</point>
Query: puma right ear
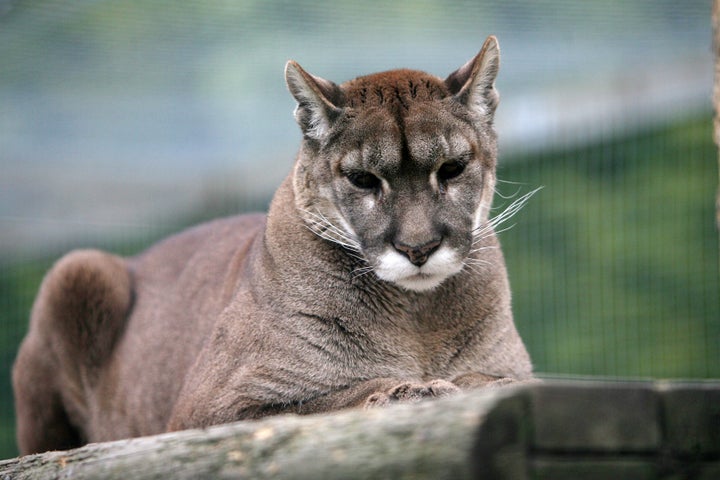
<point>315,112</point>
<point>473,84</point>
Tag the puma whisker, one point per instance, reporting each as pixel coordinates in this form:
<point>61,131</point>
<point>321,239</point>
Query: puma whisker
<point>490,227</point>
<point>324,228</point>
<point>361,271</point>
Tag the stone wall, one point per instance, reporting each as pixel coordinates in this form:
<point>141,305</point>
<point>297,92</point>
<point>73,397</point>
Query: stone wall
<point>591,430</point>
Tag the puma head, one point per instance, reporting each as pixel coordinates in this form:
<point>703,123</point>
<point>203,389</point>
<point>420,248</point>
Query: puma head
<point>399,167</point>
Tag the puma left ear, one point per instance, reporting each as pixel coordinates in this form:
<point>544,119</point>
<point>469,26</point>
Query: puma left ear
<point>473,84</point>
<point>315,111</point>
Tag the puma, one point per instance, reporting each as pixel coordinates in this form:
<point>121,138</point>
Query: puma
<point>376,277</point>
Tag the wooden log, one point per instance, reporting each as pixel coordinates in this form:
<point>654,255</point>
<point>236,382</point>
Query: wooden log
<point>431,439</point>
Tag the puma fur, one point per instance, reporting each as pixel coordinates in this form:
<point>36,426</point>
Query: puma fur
<point>376,277</point>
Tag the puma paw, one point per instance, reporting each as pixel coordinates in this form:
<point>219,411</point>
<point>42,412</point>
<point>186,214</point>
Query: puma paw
<point>410,392</point>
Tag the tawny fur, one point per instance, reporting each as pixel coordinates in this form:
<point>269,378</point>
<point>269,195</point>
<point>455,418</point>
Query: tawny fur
<point>289,313</point>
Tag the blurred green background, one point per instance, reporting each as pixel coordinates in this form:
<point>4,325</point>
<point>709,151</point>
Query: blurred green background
<point>124,121</point>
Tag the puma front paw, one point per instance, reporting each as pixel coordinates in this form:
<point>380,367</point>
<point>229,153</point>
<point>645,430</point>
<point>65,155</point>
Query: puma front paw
<point>410,392</point>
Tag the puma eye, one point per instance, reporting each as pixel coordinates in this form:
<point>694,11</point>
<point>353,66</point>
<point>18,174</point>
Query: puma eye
<point>450,170</point>
<point>364,180</point>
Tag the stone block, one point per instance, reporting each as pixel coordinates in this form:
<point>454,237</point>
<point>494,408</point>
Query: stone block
<point>574,468</point>
<point>709,471</point>
<point>691,416</point>
<point>595,417</point>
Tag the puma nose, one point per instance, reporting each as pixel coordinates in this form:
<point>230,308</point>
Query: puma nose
<point>418,254</point>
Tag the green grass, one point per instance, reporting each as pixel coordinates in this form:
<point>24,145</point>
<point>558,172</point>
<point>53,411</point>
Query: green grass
<point>614,264</point>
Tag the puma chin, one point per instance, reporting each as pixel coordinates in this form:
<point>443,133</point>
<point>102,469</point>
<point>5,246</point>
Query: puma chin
<point>395,268</point>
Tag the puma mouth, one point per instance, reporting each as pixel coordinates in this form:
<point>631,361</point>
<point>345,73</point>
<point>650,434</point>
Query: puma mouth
<point>421,282</point>
<point>396,268</point>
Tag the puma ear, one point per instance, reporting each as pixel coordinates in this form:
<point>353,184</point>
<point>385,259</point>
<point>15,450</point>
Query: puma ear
<point>315,111</point>
<point>473,84</point>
